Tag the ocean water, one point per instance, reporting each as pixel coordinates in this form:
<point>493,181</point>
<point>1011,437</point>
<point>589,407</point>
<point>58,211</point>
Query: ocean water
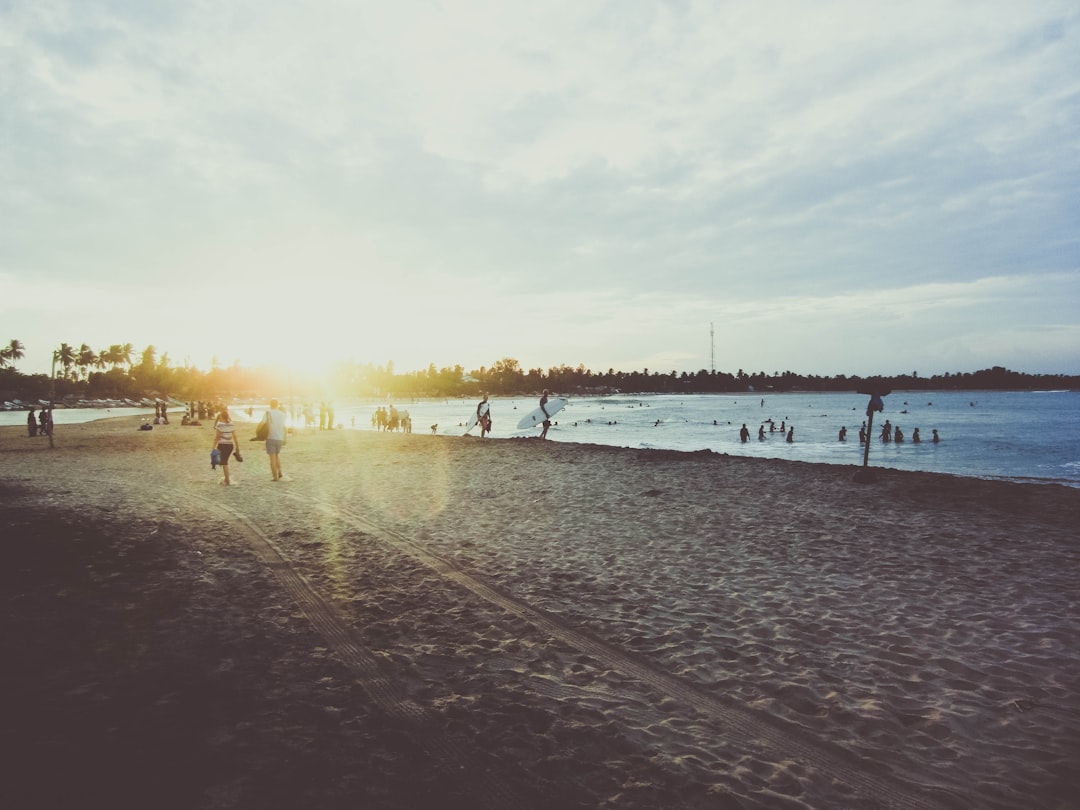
<point>1024,436</point>
<point>1012,435</point>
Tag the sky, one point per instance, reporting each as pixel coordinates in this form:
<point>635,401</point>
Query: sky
<point>828,188</point>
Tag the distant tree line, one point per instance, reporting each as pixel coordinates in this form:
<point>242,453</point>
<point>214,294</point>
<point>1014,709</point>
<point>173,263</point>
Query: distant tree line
<point>119,372</point>
<point>505,377</point>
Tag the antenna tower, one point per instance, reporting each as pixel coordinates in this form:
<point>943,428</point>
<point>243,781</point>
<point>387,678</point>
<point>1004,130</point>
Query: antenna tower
<point>712,347</point>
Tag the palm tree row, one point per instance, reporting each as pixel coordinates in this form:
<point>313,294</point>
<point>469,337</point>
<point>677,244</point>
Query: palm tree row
<point>76,364</point>
<point>115,371</point>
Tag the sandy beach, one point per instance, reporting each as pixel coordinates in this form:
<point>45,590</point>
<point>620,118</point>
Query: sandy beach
<point>417,621</point>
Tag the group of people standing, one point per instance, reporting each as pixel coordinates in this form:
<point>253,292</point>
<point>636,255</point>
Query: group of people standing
<point>272,429</point>
<point>40,424</point>
<point>786,430</point>
<point>890,433</point>
<point>390,419</point>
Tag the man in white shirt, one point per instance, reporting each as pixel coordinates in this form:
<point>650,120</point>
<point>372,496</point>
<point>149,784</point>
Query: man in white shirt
<point>275,438</point>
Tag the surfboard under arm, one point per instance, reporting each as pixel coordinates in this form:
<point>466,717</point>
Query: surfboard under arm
<point>537,417</point>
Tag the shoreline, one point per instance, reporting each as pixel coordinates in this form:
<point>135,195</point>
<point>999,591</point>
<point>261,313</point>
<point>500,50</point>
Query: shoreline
<point>854,469</point>
<point>1003,439</point>
<point>427,621</point>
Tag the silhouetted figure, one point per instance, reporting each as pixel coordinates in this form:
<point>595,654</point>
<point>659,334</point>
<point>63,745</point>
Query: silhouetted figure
<point>277,430</point>
<point>547,419</point>
<point>483,416</point>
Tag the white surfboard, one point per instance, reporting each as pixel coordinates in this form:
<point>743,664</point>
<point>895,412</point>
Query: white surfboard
<point>534,418</point>
<point>474,420</point>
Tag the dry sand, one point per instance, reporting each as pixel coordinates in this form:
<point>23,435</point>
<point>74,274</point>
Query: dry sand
<point>436,622</point>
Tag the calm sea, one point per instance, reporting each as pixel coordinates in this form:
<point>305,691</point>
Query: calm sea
<point>1021,436</point>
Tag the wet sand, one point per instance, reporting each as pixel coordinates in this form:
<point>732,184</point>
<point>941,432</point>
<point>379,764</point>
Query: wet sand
<point>439,622</point>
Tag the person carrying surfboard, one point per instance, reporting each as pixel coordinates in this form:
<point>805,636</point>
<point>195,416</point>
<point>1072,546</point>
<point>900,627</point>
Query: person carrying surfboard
<point>543,414</point>
<point>547,416</point>
<point>483,416</point>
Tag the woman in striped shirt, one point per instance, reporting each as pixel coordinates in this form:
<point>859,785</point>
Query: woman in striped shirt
<point>225,441</point>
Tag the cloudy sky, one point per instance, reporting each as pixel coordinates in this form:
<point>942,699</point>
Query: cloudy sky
<point>826,187</point>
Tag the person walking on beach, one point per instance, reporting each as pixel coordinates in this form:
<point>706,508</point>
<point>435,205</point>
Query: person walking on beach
<point>224,441</point>
<point>547,416</point>
<point>275,438</point>
<point>45,421</point>
<point>31,423</point>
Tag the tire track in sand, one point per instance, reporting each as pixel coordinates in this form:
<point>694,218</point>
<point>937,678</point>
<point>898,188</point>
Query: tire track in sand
<point>452,754</point>
<point>751,729</point>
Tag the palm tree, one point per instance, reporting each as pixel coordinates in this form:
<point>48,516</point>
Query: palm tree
<point>126,351</point>
<point>65,356</point>
<point>111,355</point>
<point>87,357</point>
<point>148,357</point>
<point>12,352</point>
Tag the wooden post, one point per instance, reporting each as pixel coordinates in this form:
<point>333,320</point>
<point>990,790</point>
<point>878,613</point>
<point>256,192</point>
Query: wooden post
<point>874,404</point>
<point>869,433</point>
<point>52,398</point>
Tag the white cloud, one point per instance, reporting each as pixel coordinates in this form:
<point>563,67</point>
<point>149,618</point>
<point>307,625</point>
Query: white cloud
<point>629,171</point>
